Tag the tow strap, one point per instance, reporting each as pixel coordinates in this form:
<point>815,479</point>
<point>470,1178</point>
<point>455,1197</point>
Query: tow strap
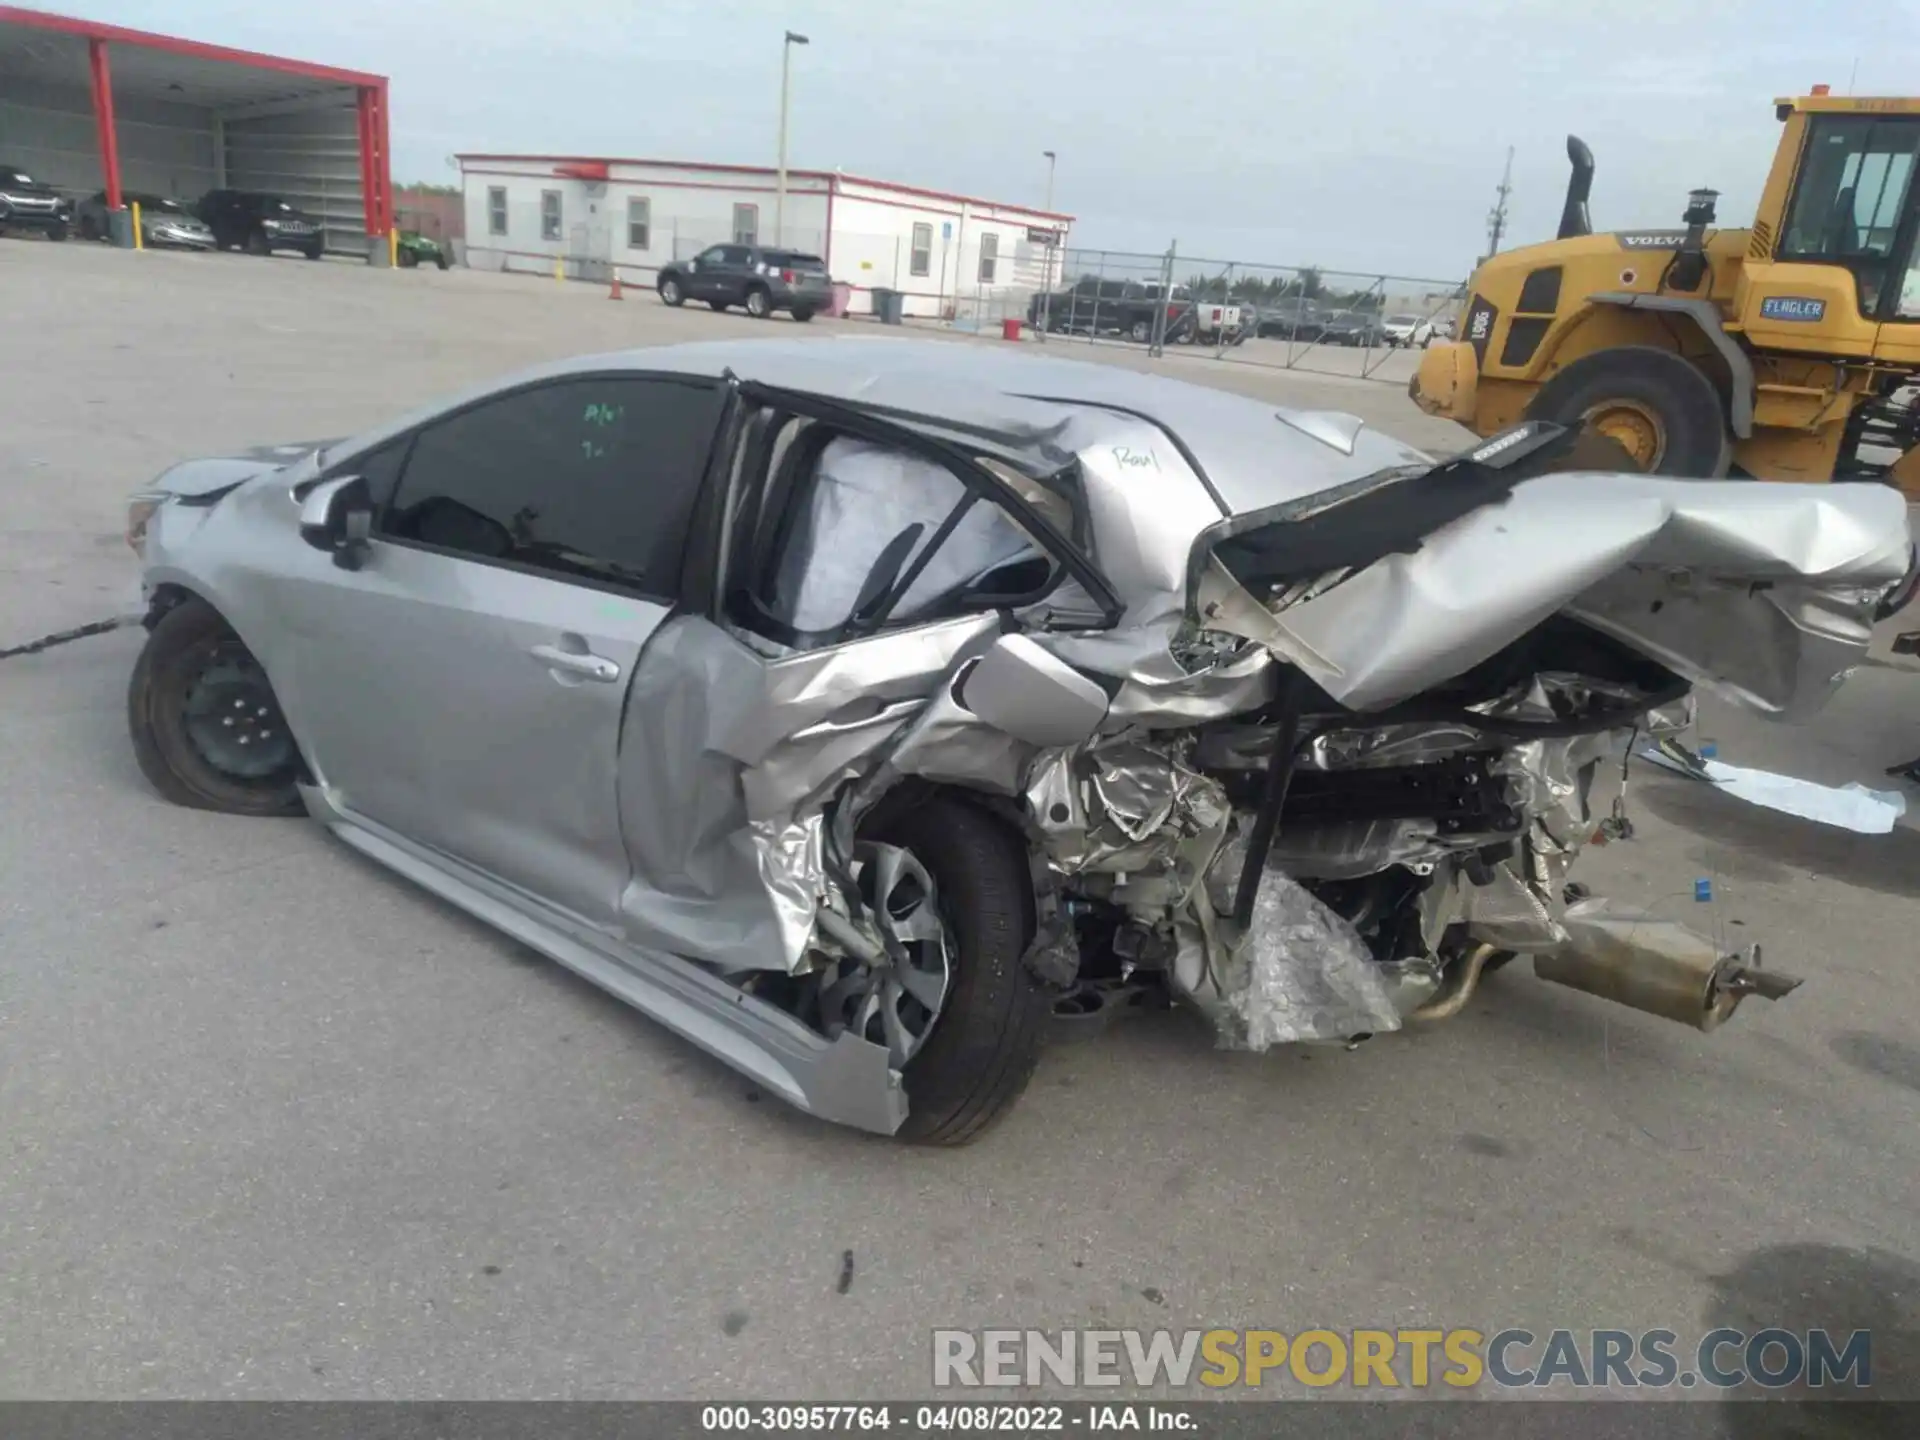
<point>63,637</point>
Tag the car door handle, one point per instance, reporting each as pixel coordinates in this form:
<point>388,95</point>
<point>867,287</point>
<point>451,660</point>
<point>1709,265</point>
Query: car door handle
<point>586,666</point>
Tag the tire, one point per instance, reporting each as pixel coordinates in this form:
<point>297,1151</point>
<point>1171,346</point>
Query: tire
<point>188,642</point>
<point>803,313</point>
<point>441,260</point>
<point>1141,332</point>
<point>258,244</point>
<point>1659,407</point>
<point>719,307</point>
<point>759,303</point>
<point>983,1047</point>
<point>57,233</point>
<point>408,260</point>
<point>670,291</point>
<point>88,230</point>
<point>318,252</point>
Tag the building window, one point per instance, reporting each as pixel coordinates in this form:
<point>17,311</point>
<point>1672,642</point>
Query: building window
<point>989,253</point>
<point>549,214</point>
<point>746,224</point>
<point>639,222</point>
<point>920,261</point>
<point>496,209</point>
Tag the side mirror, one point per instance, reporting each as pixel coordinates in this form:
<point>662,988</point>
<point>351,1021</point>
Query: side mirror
<point>1020,689</point>
<point>693,264</point>
<point>337,516</point>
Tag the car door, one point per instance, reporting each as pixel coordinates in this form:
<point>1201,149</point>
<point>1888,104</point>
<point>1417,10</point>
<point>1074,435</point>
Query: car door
<point>861,567</point>
<point>706,276</point>
<point>464,687</point>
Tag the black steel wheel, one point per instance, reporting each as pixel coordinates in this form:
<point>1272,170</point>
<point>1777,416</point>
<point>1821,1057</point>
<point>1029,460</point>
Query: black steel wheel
<point>206,726</point>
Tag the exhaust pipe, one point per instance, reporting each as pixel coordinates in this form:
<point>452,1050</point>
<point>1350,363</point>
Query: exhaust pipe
<point>1574,219</point>
<point>1655,965</point>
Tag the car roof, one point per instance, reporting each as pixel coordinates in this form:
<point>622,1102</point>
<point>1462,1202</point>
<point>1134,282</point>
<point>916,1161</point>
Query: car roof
<point>1254,453</point>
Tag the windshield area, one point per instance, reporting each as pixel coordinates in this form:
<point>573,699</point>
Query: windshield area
<point>1854,206</point>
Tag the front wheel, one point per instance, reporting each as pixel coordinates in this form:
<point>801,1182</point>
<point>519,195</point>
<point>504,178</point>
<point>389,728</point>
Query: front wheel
<point>315,252</point>
<point>408,260</point>
<point>670,291</point>
<point>964,1018</point>
<point>57,234</point>
<point>1141,332</point>
<point>759,303</point>
<point>802,313</point>
<point>207,730</point>
<point>1656,405</point>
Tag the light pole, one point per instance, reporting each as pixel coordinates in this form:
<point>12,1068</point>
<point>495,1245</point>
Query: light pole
<point>1051,159</point>
<point>1046,301</point>
<point>780,184</point>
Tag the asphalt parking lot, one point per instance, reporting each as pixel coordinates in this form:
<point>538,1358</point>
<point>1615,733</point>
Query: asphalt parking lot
<point>276,1124</point>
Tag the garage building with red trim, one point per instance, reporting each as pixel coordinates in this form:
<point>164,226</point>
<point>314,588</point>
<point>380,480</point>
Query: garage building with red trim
<point>89,107</point>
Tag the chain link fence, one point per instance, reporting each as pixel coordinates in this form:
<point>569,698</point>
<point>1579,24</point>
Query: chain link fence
<point>1360,324</point>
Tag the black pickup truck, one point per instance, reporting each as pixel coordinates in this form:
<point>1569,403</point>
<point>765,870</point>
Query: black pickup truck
<point>26,204</point>
<point>1092,306</point>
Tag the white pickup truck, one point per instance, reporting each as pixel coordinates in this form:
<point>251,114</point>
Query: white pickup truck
<point>1219,324</point>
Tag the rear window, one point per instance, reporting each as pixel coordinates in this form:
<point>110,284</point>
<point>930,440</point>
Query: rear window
<point>794,260</point>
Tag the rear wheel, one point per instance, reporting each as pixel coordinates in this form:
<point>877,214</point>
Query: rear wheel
<point>803,313</point>
<point>440,259</point>
<point>1655,405</point>
<point>759,303</point>
<point>206,727</point>
<point>963,1018</point>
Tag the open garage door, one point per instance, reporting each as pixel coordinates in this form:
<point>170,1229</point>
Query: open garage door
<point>91,108</point>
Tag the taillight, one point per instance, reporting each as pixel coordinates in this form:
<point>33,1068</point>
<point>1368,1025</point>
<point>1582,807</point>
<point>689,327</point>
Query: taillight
<point>1172,311</point>
<point>786,277</point>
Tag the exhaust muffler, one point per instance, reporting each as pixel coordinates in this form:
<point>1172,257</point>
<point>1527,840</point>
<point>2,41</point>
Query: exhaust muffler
<point>1655,965</point>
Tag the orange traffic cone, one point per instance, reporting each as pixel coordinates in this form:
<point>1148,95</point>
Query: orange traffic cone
<point>614,293</point>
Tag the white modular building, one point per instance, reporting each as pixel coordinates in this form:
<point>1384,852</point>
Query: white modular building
<point>951,256</point>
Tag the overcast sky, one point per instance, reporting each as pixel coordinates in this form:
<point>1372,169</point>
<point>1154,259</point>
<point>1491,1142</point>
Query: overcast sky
<point>1364,135</point>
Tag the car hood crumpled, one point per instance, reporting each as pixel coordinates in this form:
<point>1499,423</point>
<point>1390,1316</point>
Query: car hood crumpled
<point>199,479</point>
<point>1763,592</point>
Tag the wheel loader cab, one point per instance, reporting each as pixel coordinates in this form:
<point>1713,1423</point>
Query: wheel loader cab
<point>1832,269</point>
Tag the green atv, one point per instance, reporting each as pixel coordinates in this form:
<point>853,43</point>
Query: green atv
<point>414,249</point>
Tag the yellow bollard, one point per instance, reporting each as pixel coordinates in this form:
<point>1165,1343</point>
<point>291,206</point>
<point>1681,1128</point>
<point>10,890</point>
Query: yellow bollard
<point>393,249</point>
<point>138,242</point>
<point>559,268</point>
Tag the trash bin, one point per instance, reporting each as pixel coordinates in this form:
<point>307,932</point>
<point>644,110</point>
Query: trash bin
<point>842,298</point>
<point>889,305</point>
<point>1010,328</point>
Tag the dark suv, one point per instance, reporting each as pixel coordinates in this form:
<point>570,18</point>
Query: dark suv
<point>760,281</point>
<point>26,204</point>
<point>260,224</point>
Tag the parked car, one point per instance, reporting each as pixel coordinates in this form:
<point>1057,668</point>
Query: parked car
<point>1094,305</point>
<point>851,709</point>
<point>164,221</point>
<point>1407,330</point>
<point>761,280</point>
<point>1297,320</point>
<point>412,249</point>
<point>1353,327</point>
<point>27,204</point>
<point>1217,323</point>
<point>260,224</point>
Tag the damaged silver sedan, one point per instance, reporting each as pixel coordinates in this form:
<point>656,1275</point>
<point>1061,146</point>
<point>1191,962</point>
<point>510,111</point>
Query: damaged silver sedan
<point>854,706</point>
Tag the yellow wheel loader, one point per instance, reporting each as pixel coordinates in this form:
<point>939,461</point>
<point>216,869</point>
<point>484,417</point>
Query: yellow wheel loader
<point>1783,351</point>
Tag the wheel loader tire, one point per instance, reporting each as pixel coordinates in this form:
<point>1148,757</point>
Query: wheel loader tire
<point>1657,406</point>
